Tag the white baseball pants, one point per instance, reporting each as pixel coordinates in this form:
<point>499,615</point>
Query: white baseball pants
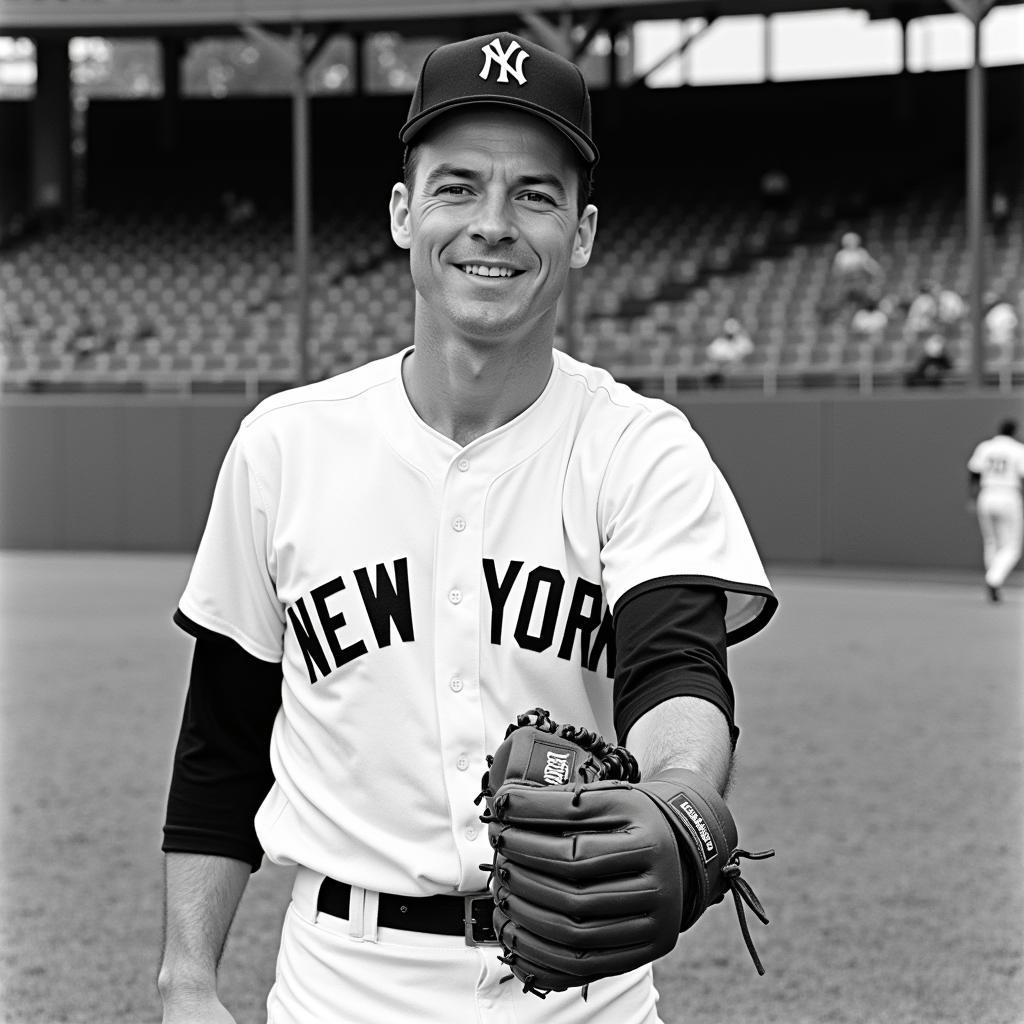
<point>1001,520</point>
<point>331,971</point>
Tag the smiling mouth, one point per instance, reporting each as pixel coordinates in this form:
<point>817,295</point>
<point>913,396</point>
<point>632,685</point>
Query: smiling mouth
<point>481,270</point>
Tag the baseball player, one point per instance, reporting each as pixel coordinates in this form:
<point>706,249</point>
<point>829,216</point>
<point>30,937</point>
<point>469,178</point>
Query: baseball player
<point>996,469</point>
<point>401,559</point>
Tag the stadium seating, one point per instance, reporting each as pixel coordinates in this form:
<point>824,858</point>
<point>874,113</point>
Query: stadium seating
<point>186,302</point>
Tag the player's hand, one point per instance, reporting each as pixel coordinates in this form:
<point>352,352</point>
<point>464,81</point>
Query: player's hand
<point>193,1008</point>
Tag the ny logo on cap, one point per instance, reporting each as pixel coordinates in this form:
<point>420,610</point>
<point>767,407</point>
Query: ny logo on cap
<point>493,51</point>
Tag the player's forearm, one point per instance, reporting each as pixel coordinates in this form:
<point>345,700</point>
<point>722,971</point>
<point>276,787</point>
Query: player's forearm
<point>201,896</point>
<point>683,732</point>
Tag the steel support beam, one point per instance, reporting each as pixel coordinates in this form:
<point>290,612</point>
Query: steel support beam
<point>298,57</point>
<point>976,188</point>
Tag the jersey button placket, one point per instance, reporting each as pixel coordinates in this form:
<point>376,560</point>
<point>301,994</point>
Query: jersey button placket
<point>457,641</point>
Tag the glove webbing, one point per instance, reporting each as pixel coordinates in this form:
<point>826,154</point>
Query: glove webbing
<point>616,762</point>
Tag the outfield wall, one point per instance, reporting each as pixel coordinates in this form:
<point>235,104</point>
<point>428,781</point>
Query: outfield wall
<point>823,479</point>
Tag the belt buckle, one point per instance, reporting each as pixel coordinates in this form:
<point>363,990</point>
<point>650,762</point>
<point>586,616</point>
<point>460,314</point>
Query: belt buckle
<point>478,920</point>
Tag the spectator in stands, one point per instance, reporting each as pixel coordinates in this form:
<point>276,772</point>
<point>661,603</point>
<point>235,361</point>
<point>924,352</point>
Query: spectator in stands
<point>855,277</point>
<point>84,345</point>
<point>933,363</point>
<point>999,211</point>
<point>950,309</point>
<point>90,339</point>
<point>12,229</point>
<point>775,189</point>
<point>727,350</point>
<point>869,323</point>
<point>1001,322</point>
<point>923,314</point>
<point>237,209</point>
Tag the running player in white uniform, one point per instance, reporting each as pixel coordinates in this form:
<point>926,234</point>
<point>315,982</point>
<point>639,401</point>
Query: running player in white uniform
<point>400,560</point>
<point>996,470</point>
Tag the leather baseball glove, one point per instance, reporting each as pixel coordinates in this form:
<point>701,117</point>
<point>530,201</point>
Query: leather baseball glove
<point>596,872</point>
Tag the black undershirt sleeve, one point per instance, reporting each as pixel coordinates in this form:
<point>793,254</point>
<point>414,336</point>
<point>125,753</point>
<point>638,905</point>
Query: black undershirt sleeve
<point>222,767</point>
<point>670,642</point>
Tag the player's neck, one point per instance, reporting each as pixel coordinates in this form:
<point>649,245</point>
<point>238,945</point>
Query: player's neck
<point>465,391</point>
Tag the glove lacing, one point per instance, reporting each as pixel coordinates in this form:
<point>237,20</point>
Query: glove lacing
<point>528,978</point>
<point>742,893</point>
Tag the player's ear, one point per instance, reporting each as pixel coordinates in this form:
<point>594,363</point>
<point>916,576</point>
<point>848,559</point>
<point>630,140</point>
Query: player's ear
<point>583,243</point>
<point>400,218</point>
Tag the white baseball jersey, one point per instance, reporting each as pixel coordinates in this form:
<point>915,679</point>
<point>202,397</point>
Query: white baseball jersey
<point>1000,462</point>
<point>420,595</point>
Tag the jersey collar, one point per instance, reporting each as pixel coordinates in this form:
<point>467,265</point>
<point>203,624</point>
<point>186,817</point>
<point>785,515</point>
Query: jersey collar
<point>493,452</point>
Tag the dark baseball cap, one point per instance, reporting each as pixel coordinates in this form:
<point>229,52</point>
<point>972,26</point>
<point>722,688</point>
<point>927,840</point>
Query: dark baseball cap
<point>508,70</point>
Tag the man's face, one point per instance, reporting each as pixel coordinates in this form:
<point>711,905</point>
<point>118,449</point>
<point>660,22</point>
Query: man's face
<point>490,223</point>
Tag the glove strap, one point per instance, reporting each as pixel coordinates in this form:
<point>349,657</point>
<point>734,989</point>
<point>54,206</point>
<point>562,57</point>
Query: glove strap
<point>706,835</point>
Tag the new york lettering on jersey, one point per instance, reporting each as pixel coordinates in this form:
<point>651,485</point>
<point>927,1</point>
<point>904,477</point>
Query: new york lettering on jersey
<point>545,608</point>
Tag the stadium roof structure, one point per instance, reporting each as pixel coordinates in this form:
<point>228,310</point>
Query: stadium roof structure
<point>409,17</point>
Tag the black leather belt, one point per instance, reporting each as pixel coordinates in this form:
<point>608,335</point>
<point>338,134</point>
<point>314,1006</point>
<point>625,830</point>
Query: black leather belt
<point>470,916</point>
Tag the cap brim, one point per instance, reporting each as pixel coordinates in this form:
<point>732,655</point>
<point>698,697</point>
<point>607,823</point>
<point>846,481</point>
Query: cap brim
<point>583,145</point>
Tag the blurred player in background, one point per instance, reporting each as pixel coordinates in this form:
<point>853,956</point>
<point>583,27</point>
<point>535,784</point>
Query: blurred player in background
<point>996,471</point>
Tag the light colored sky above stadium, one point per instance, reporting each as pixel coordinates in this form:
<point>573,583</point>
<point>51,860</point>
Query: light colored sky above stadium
<point>823,44</point>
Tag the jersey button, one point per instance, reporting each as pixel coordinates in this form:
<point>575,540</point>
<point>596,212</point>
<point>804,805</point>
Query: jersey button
<point>471,833</point>
<point>458,524</point>
<point>463,465</point>
<point>455,685</point>
<point>455,596</point>
<point>463,763</point>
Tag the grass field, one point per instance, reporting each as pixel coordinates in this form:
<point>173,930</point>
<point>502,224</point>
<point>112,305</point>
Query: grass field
<point>881,757</point>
